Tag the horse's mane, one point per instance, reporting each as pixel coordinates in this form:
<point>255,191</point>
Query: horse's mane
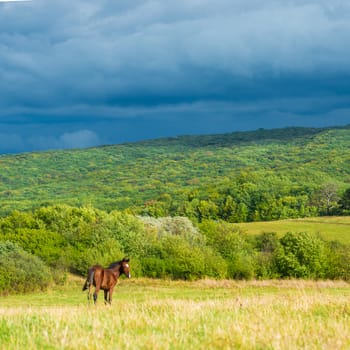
<point>114,264</point>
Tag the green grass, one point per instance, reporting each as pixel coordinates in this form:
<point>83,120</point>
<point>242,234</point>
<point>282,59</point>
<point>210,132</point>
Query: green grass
<point>330,228</point>
<point>154,314</point>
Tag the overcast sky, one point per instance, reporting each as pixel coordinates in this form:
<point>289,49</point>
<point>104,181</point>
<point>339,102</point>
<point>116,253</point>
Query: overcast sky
<point>83,73</point>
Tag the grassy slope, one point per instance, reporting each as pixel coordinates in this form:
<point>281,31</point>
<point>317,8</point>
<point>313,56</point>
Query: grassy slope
<point>122,176</point>
<point>152,314</point>
<point>330,228</point>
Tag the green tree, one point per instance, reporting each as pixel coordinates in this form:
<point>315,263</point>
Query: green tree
<point>266,245</point>
<point>227,240</point>
<point>206,209</point>
<point>21,272</point>
<point>301,255</point>
<point>47,245</point>
<point>345,202</point>
<point>182,260</point>
<point>338,261</point>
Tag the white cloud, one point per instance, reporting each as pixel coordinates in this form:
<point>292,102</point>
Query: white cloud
<point>78,139</point>
<point>29,139</point>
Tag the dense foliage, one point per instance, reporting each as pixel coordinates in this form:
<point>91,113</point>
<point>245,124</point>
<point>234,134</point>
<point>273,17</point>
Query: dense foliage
<point>21,271</point>
<point>171,205</point>
<point>247,176</point>
<point>63,238</point>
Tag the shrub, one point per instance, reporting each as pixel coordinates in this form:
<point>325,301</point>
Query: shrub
<point>229,243</point>
<point>129,231</point>
<point>182,261</point>
<point>176,226</point>
<point>49,246</point>
<point>78,261</point>
<point>20,271</point>
<point>301,255</point>
<point>153,267</point>
<point>215,265</point>
<point>338,258</point>
<point>266,245</point>
<point>241,266</point>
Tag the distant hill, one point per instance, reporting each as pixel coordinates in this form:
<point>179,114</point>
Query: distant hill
<point>240,176</point>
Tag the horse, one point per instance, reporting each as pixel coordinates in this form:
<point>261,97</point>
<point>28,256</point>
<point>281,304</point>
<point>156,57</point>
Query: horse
<point>106,279</point>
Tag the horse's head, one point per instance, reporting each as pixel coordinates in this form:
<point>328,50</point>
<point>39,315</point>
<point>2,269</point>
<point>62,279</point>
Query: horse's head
<point>125,268</point>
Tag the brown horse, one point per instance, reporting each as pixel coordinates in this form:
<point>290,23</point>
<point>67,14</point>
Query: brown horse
<point>106,279</point>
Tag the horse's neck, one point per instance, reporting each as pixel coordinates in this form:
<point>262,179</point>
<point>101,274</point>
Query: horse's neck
<point>116,270</point>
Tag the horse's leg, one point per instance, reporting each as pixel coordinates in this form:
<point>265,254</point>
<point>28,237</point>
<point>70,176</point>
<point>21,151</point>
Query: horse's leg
<point>89,292</point>
<point>110,295</point>
<point>106,295</point>
<point>95,297</point>
<point>89,283</point>
<point>97,289</point>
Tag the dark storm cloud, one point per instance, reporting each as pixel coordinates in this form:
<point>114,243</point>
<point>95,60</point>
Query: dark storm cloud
<point>109,71</point>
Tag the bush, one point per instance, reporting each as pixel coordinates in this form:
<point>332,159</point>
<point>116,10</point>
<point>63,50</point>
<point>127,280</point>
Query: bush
<point>266,246</point>
<point>182,261</point>
<point>301,255</point>
<point>78,261</point>
<point>49,246</point>
<point>229,243</point>
<point>338,257</point>
<point>153,267</point>
<point>20,271</point>
<point>129,231</point>
<point>215,265</point>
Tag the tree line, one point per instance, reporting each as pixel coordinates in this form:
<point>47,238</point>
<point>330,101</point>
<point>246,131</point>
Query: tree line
<point>38,248</point>
<point>251,197</point>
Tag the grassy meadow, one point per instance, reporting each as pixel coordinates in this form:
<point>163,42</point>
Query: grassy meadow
<point>161,314</point>
<point>329,228</point>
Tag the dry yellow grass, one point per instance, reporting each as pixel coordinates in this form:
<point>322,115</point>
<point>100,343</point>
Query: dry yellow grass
<point>206,314</point>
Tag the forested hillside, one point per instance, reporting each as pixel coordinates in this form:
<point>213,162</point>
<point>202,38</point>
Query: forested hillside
<point>172,206</point>
<point>237,177</point>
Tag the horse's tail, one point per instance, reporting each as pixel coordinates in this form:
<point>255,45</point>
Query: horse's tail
<point>89,280</point>
<point>85,287</point>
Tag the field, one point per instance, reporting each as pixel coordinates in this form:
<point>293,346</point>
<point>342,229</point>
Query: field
<point>206,314</point>
<point>329,228</point>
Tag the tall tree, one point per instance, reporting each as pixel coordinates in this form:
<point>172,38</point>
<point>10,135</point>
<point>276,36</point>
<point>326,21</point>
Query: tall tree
<point>327,198</point>
<point>345,201</point>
